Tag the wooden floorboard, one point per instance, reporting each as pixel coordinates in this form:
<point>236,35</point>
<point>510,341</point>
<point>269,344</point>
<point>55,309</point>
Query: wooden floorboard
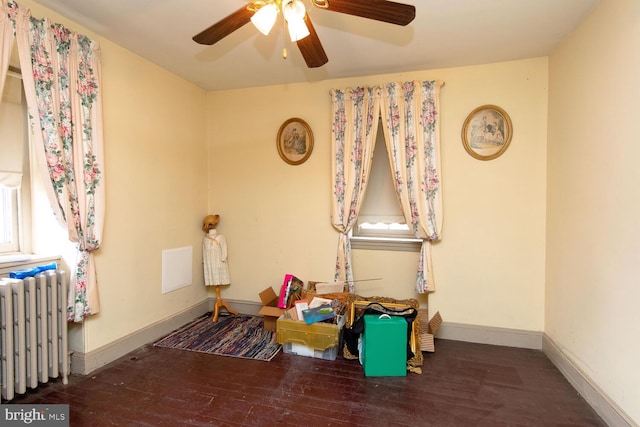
<point>462,384</point>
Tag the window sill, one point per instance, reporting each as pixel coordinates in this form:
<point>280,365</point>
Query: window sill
<point>9,263</point>
<point>386,244</point>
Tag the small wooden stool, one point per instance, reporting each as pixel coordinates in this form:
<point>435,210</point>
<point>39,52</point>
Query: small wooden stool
<point>220,303</point>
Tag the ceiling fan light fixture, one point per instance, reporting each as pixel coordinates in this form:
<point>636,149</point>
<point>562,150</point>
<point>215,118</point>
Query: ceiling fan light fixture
<point>294,13</point>
<point>297,29</point>
<point>265,18</point>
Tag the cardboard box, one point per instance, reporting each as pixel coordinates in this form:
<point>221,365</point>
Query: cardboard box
<point>270,310</point>
<point>318,340</point>
<point>428,329</point>
<point>274,306</point>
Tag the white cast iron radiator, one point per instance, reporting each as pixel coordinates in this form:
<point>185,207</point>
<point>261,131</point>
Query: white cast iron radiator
<point>33,331</point>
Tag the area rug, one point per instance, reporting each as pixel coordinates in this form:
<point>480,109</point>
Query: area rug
<point>235,336</point>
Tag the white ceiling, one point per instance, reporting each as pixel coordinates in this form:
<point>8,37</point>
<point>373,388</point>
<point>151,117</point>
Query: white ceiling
<point>445,33</point>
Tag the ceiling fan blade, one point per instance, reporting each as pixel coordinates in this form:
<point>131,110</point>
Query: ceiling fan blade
<point>225,26</point>
<point>379,10</point>
<point>311,48</point>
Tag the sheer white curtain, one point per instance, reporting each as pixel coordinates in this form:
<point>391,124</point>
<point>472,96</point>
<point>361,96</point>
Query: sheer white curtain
<point>410,114</point>
<point>355,115</point>
<point>6,41</point>
<point>61,78</point>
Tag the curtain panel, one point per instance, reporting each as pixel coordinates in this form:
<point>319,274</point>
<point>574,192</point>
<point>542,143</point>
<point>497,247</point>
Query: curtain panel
<point>6,40</point>
<point>62,83</point>
<point>410,114</point>
<point>355,114</point>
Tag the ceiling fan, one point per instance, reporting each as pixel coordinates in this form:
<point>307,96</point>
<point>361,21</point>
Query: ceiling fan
<point>263,14</point>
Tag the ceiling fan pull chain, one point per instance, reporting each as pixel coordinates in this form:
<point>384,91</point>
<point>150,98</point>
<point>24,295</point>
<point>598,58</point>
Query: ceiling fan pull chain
<point>285,54</point>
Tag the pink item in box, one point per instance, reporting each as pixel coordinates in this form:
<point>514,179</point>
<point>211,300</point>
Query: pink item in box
<point>290,286</point>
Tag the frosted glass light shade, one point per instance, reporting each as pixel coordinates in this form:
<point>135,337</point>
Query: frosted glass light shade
<point>297,29</point>
<point>265,17</point>
<point>294,12</point>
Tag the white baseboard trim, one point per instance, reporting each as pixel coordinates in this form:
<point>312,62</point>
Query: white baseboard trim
<point>490,335</point>
<point>244,307</point>
<point>608,410</point>
<point>85,363</point>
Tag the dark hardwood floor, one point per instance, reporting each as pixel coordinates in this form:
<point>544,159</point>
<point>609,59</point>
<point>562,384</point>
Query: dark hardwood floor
<point>462,384</point>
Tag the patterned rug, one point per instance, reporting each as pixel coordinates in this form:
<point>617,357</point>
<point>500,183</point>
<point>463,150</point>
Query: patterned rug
<point>235,336</point>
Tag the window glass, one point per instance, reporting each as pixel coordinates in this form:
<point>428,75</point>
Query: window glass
<point>9,238</point>
<point>380,220</point>
<point>13,158</point>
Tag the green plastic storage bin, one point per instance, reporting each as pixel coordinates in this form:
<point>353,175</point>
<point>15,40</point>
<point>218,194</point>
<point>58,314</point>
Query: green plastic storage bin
<point>384,345</point>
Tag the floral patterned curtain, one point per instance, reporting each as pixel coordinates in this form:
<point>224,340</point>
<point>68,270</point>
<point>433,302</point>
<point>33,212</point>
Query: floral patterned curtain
<point>410,113</point>
<point>61,77</point>
<point>355,114</point>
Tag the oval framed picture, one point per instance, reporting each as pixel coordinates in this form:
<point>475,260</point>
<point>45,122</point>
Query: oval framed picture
<point>295,141</point>
<point>487,132</point>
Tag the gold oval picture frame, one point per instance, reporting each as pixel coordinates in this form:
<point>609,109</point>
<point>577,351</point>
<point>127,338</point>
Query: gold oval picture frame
<point>487,132</point>
<point>295,141</point>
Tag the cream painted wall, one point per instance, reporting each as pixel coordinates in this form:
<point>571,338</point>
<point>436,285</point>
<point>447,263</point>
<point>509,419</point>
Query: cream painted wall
<point>156,191</point>
<point>593,255</point>
<point>489,267</point>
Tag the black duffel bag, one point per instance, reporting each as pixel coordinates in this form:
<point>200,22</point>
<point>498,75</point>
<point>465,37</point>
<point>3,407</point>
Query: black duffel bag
<point>353,332</point>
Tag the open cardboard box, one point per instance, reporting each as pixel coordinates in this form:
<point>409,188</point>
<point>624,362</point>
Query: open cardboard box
<point>270,310</point>
<point>428,329</point>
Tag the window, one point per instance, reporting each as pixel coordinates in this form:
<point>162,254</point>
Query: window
<point>14,167</point>
<point>9,235</point>
<point>380,223</point>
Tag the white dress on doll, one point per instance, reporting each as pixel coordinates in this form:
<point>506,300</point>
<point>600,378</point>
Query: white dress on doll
<point>214,252</point>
